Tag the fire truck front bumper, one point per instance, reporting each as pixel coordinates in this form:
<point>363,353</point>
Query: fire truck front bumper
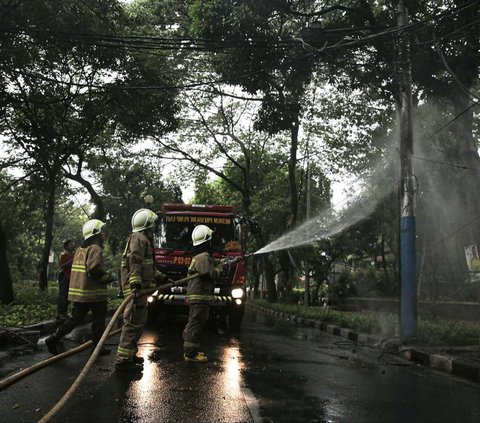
<point>180,299</point>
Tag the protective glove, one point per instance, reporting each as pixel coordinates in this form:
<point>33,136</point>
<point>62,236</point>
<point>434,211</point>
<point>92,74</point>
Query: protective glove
<point>135,287</point>
<point>216,272</point>
<point>160,278</point>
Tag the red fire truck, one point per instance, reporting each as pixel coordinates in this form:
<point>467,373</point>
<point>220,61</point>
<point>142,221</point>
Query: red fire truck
<point>173,254</point>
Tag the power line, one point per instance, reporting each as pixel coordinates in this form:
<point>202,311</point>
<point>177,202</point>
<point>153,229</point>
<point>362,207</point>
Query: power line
<point>446,163</point>
<point>104,87</point>
<point>143,42</point>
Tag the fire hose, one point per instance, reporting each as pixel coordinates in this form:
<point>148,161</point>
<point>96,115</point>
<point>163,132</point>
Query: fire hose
<point>107,333</point>
<point>47,417</point>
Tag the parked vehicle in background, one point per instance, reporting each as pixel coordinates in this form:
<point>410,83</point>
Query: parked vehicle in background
<point>173,254</point>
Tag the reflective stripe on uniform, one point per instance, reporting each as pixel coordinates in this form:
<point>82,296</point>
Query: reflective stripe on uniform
<point>135,279</point>
<point>80,268</point>
<point>199,297</point>
<point>87,292</point>
<point>125,353</point>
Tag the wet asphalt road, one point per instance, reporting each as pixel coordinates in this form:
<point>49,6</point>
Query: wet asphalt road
<point>270,372</point>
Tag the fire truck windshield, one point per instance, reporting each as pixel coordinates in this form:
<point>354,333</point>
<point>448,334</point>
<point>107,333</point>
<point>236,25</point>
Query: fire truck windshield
<point>174,232</point>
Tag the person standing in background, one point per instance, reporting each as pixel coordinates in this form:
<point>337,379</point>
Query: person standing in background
<point>65,263</point>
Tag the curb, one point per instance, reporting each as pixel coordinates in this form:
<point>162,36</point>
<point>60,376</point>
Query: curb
<point>462,367</point>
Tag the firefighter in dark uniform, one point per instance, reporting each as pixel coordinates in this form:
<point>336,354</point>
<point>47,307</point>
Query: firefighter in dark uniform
<point>200,292</point>
<point>138,271</point>
<point>88,287</point>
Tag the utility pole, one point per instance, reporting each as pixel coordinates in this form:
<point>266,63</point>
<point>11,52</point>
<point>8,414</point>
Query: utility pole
<point>307,266</point>
<point>408,276</point>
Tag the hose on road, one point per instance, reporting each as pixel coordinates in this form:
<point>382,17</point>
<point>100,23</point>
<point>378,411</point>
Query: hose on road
<point>29,370</point>
<point>58,406</point>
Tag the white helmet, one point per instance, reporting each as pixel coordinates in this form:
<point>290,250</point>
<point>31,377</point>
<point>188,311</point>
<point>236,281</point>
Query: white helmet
<point>201,234</point>
<point>92,227</point>
<point>143,219</point>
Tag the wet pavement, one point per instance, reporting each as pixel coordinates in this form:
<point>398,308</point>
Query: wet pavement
<point>272,371</point>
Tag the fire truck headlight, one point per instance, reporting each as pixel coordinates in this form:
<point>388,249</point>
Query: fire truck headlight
<point>150,299</point>
<point>237,293</point>
<point>238,301</point>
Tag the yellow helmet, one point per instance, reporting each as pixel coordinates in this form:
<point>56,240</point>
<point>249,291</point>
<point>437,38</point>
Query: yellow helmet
<point>201,234</point>
<point>143,219</point>
<point>92,227</point>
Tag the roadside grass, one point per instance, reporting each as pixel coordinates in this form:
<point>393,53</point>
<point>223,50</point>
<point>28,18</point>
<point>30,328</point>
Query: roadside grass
<point>439,333</point>
<point>32,306</point>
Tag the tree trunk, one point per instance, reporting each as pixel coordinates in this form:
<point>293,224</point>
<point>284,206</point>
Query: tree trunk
<point>286,277</point>
<point>255,277</point>
<point>6,285</point>
<point>100,207</point>
<point>43,265</point>
<point>267,267</point>
<point>292,179</point>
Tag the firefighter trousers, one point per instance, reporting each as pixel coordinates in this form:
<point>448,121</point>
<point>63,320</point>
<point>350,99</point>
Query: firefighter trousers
<point>197,318</point>
<point>80,311</point>
<point>134,319</point>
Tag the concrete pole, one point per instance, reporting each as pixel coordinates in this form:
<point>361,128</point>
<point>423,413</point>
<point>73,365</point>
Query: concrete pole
<point>408,277</point>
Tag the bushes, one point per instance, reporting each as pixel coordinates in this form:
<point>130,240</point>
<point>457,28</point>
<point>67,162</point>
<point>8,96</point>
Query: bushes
<point>33,306</point>
<point>446,333</point>
<point>366,282</point>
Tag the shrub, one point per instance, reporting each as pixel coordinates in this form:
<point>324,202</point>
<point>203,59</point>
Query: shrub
<point>428,333</point>
<point>33,306</point>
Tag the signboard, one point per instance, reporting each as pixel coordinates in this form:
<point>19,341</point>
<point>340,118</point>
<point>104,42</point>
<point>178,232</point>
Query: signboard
<point>198,219</point>
<point>473,262</point>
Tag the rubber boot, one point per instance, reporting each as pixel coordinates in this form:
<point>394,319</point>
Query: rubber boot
<point>200,357</point>
<point>51,343</point>
<point>129,366</point>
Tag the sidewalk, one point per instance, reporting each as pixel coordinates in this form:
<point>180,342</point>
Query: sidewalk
<point>459,361</point>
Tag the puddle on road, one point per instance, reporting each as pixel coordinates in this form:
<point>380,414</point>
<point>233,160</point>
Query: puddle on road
<point>279,391</point>
<point>275,389</point>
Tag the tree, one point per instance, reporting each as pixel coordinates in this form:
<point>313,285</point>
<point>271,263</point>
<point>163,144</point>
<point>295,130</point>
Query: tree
<point>6,285</point>
<point>73,92</point>
<point>124,187</point>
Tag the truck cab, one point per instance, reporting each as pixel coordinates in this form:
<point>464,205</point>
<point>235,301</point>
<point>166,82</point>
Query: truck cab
<point>173,254</point>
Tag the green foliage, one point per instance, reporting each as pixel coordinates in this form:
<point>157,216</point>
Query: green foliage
<point>30,305</point>
<point>370,282</point>
<point>125,182</point>
<point>448,333</point>
<point>429,333</point>
<point>33,306</point>
<point>345,285</point>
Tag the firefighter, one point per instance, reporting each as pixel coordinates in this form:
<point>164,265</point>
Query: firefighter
<point>200,291</point>
<point>138,271</point>
<point>88,287</point>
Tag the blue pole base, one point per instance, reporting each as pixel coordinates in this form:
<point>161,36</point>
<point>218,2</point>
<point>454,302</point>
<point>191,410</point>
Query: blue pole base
<point>408,278</point>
